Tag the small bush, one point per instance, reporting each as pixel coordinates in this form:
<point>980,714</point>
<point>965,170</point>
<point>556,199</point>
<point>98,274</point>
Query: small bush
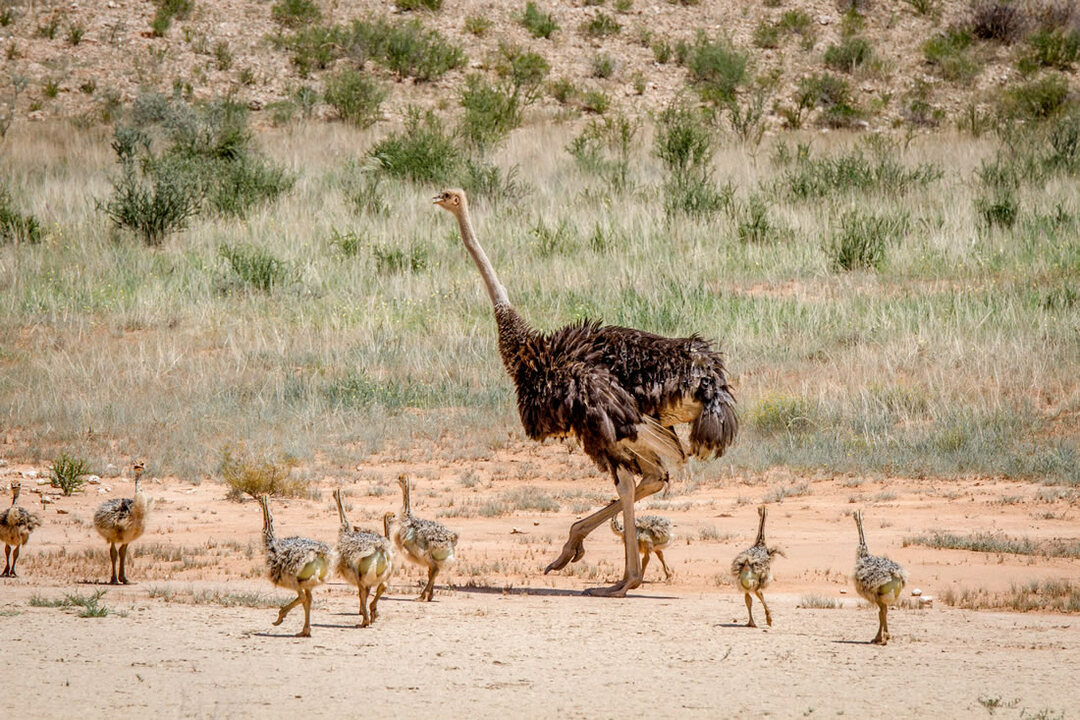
<point>852,52</point>
<point>600,25</point>
<point>477,25</point>
<point>486,179</point>
<point>75,34</point>
<point>418,4</point>
<point>685,144</point>
<point>255,266</point>
<point>539,24</point>
<point>948,53</point>
<point>917,107</point>
<point>1038,99</point>
<point>167,10</point>
<point>923,7</point>
<point>1001,20</point>
<point>776,413</point>
<point>564,90</point>
<point>662,51</point>
<point>296,13</point>
<point>861,239</point>
<point>754,224</point>
<point>1051,48</point>
<point>390,260</point>
<point>552,240</point>
<point>154,202</point>
<point>766,35</point>
<point>422,152</point>
<point>66,473</point>
<point>15,226</point>
<point>246,474</point>
<point>998,208</point>
<point>603,66</point>
<point>832,95</point>
<point>603,148</point>
<point>356,97</point>
<point>595,101</point>
<point>717,68</point>
<point>414,51</point>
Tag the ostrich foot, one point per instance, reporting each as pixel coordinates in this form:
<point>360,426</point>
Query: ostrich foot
<point>572,551</point>
<point>306,632</point>
<point>617,590</point>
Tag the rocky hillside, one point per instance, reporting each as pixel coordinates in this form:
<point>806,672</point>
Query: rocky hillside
<point>881,63</point>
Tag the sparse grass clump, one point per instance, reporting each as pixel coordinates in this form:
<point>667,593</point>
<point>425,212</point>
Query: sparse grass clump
<point>1051,48</point>
<point>255,266</point>
<point>167,10</point>
<point>539,23</point>
<point>91,604</point>
<point>604,147</point>
<point>296,13</point>
<point>807,177</point>
<point>832,96</point>
<point>818,602</point>
<point>717,68</point>
<point>356,97</point>
<point>997,543</point>
<point>850,53</point>
<point>15,226</point>
<point>860,240</point>
<point>948,52</point>
<point>1036,100</point>
<point>67,473</point>
<point>782,413</point>
<point>245,473</point>
<point>407,5</point>
<point>1035,596</point>
<point>1001,20</point>
<point>600,25</point>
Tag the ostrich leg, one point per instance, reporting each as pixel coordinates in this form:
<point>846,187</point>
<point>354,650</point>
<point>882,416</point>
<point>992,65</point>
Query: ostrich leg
<point>574,548</point>
<point>632,575</point>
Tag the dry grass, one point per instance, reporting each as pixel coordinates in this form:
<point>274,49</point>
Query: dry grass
<point>998,543</point>
<point>1047,595</point>
<point>949,360</point>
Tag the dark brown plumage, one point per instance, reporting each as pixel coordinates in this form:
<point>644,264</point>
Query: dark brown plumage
<point>618,390</point>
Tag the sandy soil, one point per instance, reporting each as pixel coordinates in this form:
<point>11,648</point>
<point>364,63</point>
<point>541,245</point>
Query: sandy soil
<point>506,639</point>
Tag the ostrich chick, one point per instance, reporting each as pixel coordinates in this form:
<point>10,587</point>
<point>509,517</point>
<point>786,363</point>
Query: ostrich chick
<point>424,542</point>
<point>653,535</point>
<point>296,563</point>
<point>16,524</point>
<point>879,580</point>
<point>364,560</point>
<point>121,522</point>
<point>752,569</point>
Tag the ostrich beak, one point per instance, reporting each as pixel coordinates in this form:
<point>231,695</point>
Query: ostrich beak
<point>435,200</point>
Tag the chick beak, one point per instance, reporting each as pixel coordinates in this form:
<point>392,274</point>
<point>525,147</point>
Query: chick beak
<point>435,200</point>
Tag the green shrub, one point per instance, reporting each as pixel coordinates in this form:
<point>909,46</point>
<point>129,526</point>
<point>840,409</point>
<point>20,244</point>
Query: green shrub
<point>808,177</point>
<point>603,148</point>
<point>493,110</point>
<point>595,101</point>
<point>998,208</point>
<point>563,90</point>
<point>754,224</point>
<point>539,24</point>
<point>296,13</point>
<point>255,266</point>
<point>67,473</point>
<point>314,48</point>
<point>245,473</point>
<point>418,4</point>
<point>923,7</point>
<point>153,200</point>
<point>552,240</point>
<point>1051,48</point>
<point>414,51</point>
<point>832,95</point>
<point>948,53</point>
<point>717,68</point>
<point>1037,99</point>
<point>422,152</point>
<point>167,10</point>
<point>861,239</point>
<point>600,25</point>
<point>603,66</point>
<point>662,51</point>
<point>685,144</point>
<point>852,52</point>
<point>356,97</point>
<point>396,260</point>
<point>477,25</point>
<point>14,225</point>
<point>776,413</point>
<point>487,180</point>
<point>917,108</point>
<point>235,187</point>
<point>766,35</point>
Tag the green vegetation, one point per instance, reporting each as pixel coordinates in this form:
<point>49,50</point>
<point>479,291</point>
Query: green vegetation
<point>356,97</point>
<point>601,25</point>
<point>850,53</point>
<point>91,604</point>
<point>1035,596</point>
<point>949,53</point>
<point>16,227</point>
<point>539,23</point>
<point>296,13</point>
<point>418,4</point>
<point>167,11</point>
<point>67,473</point>
<point>717,68</point>
<point>996,543</point>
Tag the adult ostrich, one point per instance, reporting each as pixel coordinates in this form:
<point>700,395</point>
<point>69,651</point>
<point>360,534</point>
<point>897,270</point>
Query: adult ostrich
<point>619,391</point>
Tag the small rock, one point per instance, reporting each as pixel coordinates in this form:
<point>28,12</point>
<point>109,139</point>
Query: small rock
<point>824,19</point>
<point>43,481</point>
<point>111,4</point>
<point>916,592</point>
<point>3,462</point>
<point>255,105</point>
<point>36,115</point>
<point>536,523</point>
<point>843,591</point>
<point>517,531</point>
<point>30,474</point>
<point>93,479</point>
<point>61,511</point>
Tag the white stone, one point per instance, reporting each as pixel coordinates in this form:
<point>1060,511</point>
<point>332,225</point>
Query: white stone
<point>916,592</point>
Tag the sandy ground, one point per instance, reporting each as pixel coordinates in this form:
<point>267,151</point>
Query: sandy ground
<point>504,639</point>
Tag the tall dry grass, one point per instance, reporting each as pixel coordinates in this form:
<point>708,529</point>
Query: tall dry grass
<point>957,356</point>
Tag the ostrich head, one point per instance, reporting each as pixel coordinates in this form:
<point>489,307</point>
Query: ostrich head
<point>452,200</point>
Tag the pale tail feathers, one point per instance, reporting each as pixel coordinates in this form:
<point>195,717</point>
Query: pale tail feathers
<point>656,448</point>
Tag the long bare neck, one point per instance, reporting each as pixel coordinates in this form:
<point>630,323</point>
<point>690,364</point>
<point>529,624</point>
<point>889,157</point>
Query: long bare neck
<point>862,549</point>
<point>15,495</point>
<point>761,528</point>
<point>345,527</point>
<point>268,524</point>
<point>386,525</point>
<point>495,289</point>
<point>406,505</point>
